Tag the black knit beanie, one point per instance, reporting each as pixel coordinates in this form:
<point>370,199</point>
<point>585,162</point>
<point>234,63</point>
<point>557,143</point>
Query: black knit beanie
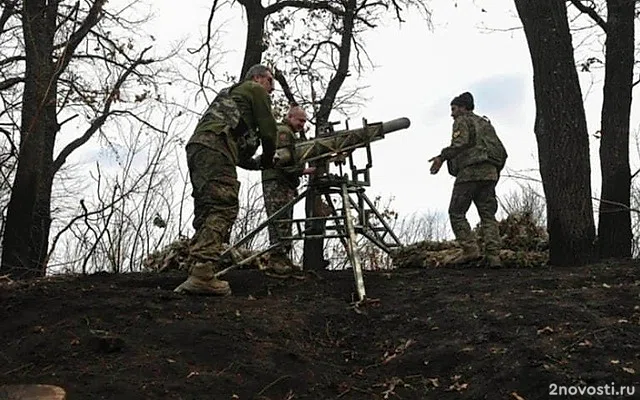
<point>464,100</point>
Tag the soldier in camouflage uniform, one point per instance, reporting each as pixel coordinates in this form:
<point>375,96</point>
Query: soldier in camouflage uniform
<point>475,157</point>
<point>279,187</point>
<point>228,134</point>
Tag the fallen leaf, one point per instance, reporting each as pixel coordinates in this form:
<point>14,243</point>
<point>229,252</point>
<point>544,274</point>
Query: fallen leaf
<point>517,396</point>
<point>459,386</point>
<point>604,285</point>
<point>623,321</point>
<point>193,373</point>
<point>389,358</point>
<point>615,362</point>
<point>629,370</point>
<point>585,343</point>
<point>170,361</point>
<point>434,382</point>
<point>546,329</point>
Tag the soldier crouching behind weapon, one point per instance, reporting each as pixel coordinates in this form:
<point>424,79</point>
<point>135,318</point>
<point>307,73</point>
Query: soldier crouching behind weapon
<point>228,134</point>
<point>279,187</point>
<point>475,157</point>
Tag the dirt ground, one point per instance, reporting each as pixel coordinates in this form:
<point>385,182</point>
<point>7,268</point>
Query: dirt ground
<point>439,333</point>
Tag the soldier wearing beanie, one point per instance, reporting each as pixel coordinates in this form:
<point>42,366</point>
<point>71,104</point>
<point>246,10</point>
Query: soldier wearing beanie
<point>464,100</point>
<point>475,157</point>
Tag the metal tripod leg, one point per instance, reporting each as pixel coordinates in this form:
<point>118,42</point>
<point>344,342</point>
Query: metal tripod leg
<point>351,248</point>
<point>254,232</point>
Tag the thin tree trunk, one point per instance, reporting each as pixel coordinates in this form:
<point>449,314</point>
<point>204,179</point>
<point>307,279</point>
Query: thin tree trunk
<point>313,254</point>
<point>26,234</point>
<point>255,34</point>
<point>561,132</point>
<point>614,224</point>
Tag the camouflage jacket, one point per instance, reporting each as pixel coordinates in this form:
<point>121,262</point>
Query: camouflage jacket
<point>237,122</point>
<point>289,176</point>
<point>466,159</point>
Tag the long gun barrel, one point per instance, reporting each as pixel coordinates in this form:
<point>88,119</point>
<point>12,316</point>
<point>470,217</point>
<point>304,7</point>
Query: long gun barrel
<point>336,143</point>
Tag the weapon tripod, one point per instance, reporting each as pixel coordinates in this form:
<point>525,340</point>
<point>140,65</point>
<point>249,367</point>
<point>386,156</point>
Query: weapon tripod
<point>340,223</point>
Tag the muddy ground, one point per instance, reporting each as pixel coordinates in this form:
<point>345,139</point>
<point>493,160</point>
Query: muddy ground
<point>440,333</point>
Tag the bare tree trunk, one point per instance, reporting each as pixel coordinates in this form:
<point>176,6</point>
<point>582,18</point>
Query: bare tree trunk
<point>28,217</point>
<point>313,254</point>
<point>614,223</point>
<point>256,15</point>
<point>561,132</point>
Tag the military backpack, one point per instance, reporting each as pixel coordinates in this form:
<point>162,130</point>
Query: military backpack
<point>485,147</point>
<point>489,140</point>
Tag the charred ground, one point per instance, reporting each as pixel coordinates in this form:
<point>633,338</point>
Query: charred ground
<point>440,333</point>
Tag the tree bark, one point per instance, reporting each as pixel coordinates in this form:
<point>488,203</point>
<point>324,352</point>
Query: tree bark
<point>561,132</point>
<point>256,16</point>
<point>313,254</point>
<point>614,224</point>
<point>26,236</point>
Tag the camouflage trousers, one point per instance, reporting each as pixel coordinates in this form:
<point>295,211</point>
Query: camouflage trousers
<point>215,200</point>
<point>483,195</point>
<point>276,195</point>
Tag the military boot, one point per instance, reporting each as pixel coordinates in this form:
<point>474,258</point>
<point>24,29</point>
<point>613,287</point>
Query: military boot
<point>470,252</point>
<point>493,261</point>
<point>202,281</point>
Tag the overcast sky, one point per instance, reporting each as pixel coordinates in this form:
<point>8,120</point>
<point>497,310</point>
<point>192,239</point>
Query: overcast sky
<point>419,72</point>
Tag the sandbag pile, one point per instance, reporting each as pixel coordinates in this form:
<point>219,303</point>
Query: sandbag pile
<point>175,256</point>
<point>524,244</point>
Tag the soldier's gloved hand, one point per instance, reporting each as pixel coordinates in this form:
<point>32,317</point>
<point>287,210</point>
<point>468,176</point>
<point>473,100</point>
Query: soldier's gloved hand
<point>267,161</point>
<point>436,164</point>
<point>255,163</point>
<point>276,159</point>
<point>251,164</point>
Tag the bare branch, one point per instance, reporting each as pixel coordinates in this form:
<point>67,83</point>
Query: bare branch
<point>137,118</point>
<point>7,12</point>
<point>86,213</point>
<point>591,12</point>
<point>308,4</point>
<point>74,10</point>
<point>342,71</point>
<point>11,82</point>
<point>208,40</point>
<point>7,134</point>
<point>93,17</point>
<point>285,87</point>
<point>397,8</point>
<point>99,121</point>
<point>9,60</point>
